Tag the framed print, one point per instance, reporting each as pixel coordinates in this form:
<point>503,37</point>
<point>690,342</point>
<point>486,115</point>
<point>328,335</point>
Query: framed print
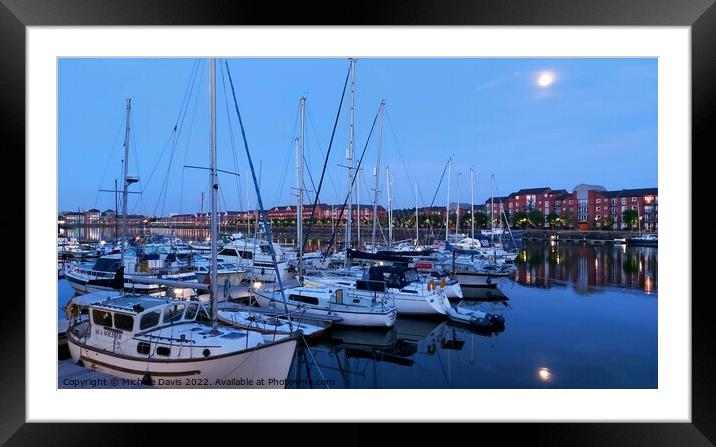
<point>429,296</point>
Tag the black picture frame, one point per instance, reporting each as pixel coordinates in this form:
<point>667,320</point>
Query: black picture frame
<point>700,15</point>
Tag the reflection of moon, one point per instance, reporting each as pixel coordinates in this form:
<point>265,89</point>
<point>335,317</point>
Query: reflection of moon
<point>545,374</point>
<point>545,79</point>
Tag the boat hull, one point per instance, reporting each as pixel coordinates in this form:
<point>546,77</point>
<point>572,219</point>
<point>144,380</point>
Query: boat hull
<point>266,366</point>
<point>368,319</point>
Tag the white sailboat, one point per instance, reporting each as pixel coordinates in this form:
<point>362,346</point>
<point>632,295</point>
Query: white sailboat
<point>161,342</point>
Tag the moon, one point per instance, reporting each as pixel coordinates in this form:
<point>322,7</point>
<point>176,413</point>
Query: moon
<point>545,79</point>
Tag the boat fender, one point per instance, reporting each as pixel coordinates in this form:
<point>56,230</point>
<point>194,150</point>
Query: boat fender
<point>431,285</point>
<point>432,348</point>
<point>147,379</point>
<point>442,282</point>
<point>72,310</point>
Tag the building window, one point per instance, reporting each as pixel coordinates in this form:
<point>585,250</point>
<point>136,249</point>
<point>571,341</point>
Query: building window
<point>598,208</point>
<point>623,200</point>
<point>633,199</point>
<point>598,217</point>
<point>599,200</point>
<point>633,207</point>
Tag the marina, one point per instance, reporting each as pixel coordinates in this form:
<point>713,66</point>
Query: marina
<point>559,317</point>
<point>325,287</point>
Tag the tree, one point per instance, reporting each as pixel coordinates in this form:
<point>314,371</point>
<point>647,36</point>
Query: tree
<point>536,218</point>
<point>553,219</point>
<point>567,219</point>
<point>608,223</point>
<point>481,220</point>
<point>630,217</point>
<point>520,219</point>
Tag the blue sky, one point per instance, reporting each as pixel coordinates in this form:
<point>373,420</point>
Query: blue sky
<point>596,123</point>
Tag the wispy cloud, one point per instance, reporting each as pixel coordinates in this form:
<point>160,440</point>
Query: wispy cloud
<point>489,85</point>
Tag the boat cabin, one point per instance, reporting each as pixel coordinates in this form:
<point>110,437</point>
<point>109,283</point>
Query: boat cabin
<point>137,314</point>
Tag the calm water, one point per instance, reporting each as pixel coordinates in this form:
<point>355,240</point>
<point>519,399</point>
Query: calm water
<point>576,316</point>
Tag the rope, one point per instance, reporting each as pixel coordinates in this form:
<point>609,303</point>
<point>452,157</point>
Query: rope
<point>325,164</point>
<point>357,169</point>
<point>315,362</point>
<point>266,222</point>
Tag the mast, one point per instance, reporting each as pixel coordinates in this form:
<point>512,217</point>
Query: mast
<point>248,205</point>
<point>299,208</point>
<point>376,174</point>
<point>125,162</point>
<point>116,210</point>
<point>417,222</point>
<point>492,211</point>
<point>472,203</point>
<point>388,181</point>
<point>447,208</point>
<point>349,157</point>
<point>214,187</point>
<point>457,209</point>
<point>358,206</point>
<point>300,153</point>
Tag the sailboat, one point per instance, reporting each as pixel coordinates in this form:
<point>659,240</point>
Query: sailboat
<point>162,342</point>
<point>115,271</point>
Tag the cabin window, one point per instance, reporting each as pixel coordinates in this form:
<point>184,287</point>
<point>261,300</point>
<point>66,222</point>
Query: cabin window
<point>143,348</point>
<point>173,313</point>
<point>102,318</point>
<point>304,299</point>
<point>148,320</point>
<point>163,350</point>
<point>246,255</point>
<point>124,322</point>
<point>191,311</point>
<point>228,252</point>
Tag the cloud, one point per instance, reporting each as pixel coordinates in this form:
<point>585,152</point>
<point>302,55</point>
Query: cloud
<point>489,85</point>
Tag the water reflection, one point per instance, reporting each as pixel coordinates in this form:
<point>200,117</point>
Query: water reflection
<point>587,267</point>
<point>416,353</point>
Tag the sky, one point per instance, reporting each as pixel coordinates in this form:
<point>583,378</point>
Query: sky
<point>588,121</point>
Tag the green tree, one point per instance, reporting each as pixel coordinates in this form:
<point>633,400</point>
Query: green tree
<point>481,220</point>
<point>608,223</point>
<point>536,218</point>
<point>567,219</point>
<point>630,217</point>
<point>553,219</point>
<point>520,219</point>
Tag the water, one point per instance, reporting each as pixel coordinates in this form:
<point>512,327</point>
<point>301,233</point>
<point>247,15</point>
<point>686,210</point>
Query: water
<point>576,316</point>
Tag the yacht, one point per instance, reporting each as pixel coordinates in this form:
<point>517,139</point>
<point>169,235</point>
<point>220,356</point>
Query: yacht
<point>351,308</point>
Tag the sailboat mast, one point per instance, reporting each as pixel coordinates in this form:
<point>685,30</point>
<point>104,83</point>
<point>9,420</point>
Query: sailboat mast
<point>349,157</point>
<point>125,162</point>
<point>299,187</point>
<point>390,206</point>
<point>492,211</point>
<point>116,210</point>
<point>472,203</point>
<point>377,174</point>
<point>248,205</point>
<point>457,209</point>
<point>447,208</point>
<point>417,222</point>
<point>214,187</point>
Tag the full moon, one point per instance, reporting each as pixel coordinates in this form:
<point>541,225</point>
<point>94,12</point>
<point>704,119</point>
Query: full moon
<point>545,79</point>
